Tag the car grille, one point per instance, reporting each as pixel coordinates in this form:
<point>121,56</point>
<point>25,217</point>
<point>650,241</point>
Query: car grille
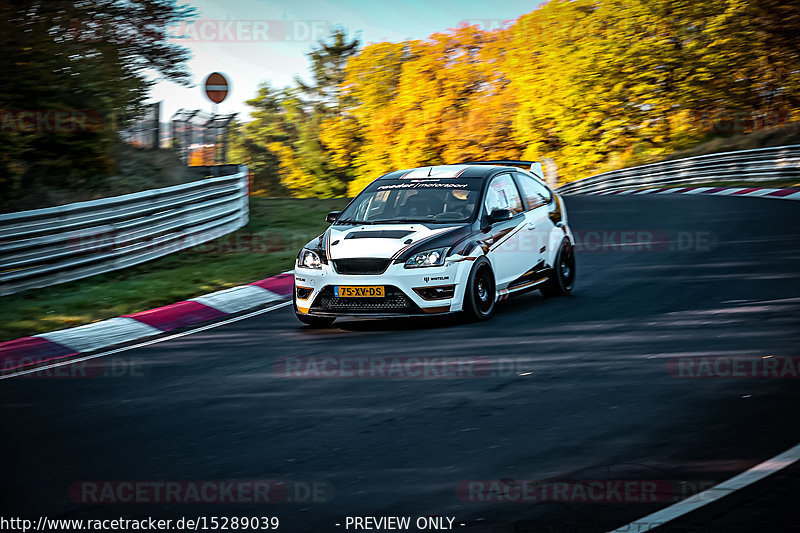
<point>361,266</point>
<point>394,302</point>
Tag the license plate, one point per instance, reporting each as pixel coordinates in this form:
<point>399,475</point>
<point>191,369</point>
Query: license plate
<point>359,292</point>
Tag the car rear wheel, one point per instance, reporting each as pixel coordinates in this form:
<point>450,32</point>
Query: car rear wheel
<point>479,300</point>
<point>308,320</point>
<point>563,277</point>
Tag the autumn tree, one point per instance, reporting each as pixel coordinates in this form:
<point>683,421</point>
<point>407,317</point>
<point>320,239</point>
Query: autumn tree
<point>592,84</point>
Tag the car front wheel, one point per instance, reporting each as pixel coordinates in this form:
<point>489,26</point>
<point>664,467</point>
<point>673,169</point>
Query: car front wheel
<point>480,297</point>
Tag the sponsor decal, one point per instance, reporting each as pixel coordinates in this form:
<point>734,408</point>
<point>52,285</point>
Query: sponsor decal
<point>435,184</point>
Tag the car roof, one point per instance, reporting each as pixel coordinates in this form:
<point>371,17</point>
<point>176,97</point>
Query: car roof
<point>448,171</point>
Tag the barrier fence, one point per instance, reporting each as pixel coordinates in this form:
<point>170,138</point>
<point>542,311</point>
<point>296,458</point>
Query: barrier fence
<point>43,247</point>
<point>760,165</point>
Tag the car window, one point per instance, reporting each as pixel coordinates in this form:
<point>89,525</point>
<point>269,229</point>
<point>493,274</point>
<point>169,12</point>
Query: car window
<point>503,194</point>
<point>398,201</point>
<point>535,193</point>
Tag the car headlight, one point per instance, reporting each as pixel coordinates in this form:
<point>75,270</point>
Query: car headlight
<point>427,258</point>
<point>308,259</point>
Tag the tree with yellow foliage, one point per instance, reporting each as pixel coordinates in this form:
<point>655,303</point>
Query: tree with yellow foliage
<point>592,84</point>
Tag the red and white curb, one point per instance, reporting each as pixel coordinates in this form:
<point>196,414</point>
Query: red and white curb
<point>782,194</point>
<point>35,350</point>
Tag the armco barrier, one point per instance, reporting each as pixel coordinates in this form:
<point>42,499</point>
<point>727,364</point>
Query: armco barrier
<point>44,247</point>
<point>752,166</point>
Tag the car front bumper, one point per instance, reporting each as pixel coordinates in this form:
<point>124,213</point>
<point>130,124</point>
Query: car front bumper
<point>316,295</point>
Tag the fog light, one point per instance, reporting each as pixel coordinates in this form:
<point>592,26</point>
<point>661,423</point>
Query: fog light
<point>303,293</point>
<point>441,292</point>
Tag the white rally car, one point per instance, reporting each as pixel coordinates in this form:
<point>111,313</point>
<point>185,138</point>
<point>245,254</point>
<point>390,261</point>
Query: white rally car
<point>437,240</point>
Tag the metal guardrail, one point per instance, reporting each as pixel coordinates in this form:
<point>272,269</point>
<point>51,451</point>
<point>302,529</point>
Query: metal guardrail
<point>43,247</point>
<point>752,166</point>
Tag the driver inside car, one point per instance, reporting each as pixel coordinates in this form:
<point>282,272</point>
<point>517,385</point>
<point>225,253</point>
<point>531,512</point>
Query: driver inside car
<point>461,202</point>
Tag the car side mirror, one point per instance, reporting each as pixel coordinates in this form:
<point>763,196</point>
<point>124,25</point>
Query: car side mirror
<point>332,216</point>
<point>499,215</point>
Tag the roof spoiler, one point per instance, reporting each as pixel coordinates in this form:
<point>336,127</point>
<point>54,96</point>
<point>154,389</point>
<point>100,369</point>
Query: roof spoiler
<point>534,166</point>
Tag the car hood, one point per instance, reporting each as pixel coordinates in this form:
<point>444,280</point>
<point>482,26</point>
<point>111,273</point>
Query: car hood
<point>380,240</point>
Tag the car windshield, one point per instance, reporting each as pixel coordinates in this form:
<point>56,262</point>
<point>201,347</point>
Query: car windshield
<point>400,201</point>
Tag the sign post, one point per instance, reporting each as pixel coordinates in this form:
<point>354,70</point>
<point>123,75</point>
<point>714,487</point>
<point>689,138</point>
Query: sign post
<point>217,88</point>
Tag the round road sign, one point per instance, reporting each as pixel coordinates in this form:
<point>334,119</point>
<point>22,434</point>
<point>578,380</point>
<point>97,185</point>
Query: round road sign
<point>216,87</point>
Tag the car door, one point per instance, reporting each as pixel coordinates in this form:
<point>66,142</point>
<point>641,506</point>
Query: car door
<point>508,259</point>
<point>538,226</point>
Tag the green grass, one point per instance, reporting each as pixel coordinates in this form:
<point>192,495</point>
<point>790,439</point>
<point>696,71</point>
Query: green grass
<point>265,247</point>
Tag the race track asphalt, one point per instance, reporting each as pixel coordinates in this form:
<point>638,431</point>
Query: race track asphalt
<point>577,388</point>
